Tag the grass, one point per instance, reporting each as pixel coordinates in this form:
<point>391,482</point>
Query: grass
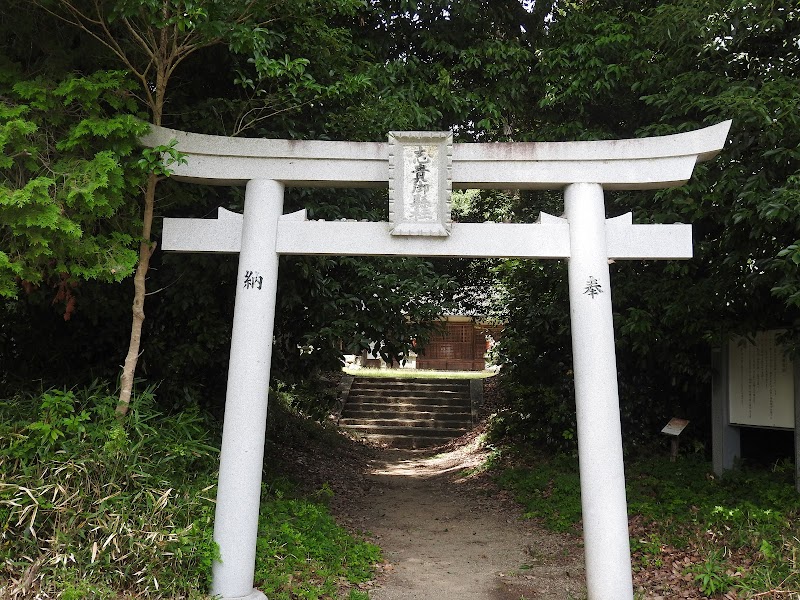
<point>551,492</point>
<point>740,532</point>
<point>300,541</point>
<point>91,507</point>
<point>418,373</point>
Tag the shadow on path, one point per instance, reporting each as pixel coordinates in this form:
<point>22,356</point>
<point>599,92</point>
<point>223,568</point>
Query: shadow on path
<point>448,535</point>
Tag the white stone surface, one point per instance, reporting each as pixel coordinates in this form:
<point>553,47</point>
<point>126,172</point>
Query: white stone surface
<point>644,163</point>
<point>242,454</point>
<point>548,239</point>
<point>585,237</point>
<point>223,234</point>
<point>626,241</point>
<point>420,182</point>
<point>220,160</point>
<point>602,473</point>
<point>254,595</point>
<point>466,240</point>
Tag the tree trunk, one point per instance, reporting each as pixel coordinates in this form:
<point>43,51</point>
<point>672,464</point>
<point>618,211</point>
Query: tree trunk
<point>146,248</point>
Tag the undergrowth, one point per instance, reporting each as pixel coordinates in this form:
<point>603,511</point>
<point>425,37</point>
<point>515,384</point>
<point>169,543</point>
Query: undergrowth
<point>300,540</point>
<point>740,532</point>
<point>94,507</point>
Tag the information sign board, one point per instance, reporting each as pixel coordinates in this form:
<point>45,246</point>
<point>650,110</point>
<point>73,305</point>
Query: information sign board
<point>761,381</point>
<point>675,426</point>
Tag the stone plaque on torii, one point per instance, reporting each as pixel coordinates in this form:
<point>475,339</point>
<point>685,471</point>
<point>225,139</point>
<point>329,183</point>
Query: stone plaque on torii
<point>420,168</point>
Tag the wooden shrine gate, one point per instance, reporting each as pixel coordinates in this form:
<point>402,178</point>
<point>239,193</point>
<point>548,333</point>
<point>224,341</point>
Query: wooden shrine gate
<point>459,345</point>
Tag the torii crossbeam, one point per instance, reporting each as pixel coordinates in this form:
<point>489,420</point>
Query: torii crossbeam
<point>420,227</point>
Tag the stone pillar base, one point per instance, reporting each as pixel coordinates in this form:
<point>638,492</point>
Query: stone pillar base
<point>254,595</point>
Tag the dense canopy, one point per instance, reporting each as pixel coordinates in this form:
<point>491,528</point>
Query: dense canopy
<point>77,77</point>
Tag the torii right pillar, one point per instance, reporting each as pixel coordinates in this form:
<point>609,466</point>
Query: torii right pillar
<point>602,474</point>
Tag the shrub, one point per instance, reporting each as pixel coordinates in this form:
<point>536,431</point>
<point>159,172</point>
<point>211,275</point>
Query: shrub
<point>303,553</point>
<point>90,506</point>
<point>94,507</point>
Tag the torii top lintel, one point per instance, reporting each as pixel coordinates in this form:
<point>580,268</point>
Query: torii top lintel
<point>640,163</point>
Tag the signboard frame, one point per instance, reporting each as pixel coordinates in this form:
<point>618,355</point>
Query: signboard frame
<point>726,418</point>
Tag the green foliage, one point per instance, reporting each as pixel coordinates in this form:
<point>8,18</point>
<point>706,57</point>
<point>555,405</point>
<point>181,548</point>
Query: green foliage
<point>94,507</point>
<point>745,509</point>
<point>614,70</point>
<point>57,420</point>
<point>648,550</point>
<point>66,152</point>
<point>550,492</point>
<point>312,397</point>
<point>86,502</point>
<point>436,65</point>
<point>746,522</point>
<point>160,159</point>
<point>710,575</point>
<point>391,303</point>
<point>279,61</point>
<point>536,351</point>
<point>303,553</point>
<point>521,420</point>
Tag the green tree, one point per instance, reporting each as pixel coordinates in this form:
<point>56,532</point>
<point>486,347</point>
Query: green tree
<point>152,39</point>
<point>218,91</point>
<point>440,64</point>
<point>68,153</point>
<point>615,69</point>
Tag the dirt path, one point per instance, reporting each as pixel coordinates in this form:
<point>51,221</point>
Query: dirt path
<point>446,538</point>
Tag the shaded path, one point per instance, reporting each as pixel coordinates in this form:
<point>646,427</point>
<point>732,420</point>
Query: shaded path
<point>446,538</point>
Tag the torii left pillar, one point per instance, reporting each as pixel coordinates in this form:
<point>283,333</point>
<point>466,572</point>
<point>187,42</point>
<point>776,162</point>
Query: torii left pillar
<point>242,454</point>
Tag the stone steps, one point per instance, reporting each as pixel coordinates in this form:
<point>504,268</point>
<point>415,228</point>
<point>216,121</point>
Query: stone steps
<point>408,413</point>
<point>400,393</point>
<point>411,399</point>
<point>405,411</point>
<point>378,425</point>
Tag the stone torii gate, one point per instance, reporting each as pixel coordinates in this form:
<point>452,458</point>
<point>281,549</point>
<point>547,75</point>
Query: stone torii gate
<point>420,169</point>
